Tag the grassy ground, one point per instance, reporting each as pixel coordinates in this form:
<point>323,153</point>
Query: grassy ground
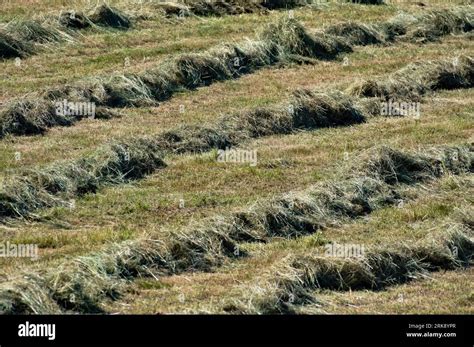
<point>99,53</point>
<point>285,163</point>
<point>206,292</point>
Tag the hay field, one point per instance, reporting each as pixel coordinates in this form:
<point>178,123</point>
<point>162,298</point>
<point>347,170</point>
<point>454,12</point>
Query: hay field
<point>236,157</point>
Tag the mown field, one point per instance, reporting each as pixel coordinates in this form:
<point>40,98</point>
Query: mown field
<point>132,210</point>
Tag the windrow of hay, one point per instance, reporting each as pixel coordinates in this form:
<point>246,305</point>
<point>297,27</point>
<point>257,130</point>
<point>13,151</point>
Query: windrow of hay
<point>435,24</point>
<point>108,16</point>
<point>26,37</point>
<point>305,110</point>
<point>276,4</point>
<point>33,31</point>
<point>292,281</point>
<point>227,7</point>
<point>30,117</point>
<point>23,38</point>
<point>17,39</point>
<point>394,167</point>
<point>185,71</point>
<point>284,41</point>
<point>104,16</point>
<point>294,39</point>
<point>10,47</point>
<point>192,70</point>
<point>301,213</point>
<point>357,34</point>
<point>428,26</point>
<point>59,183</point>
<point>223,7</point>
<point>235,7</point>
<point>415,80</point>
<point>74,20</point>
<point>134,158</point>
<point>82,283</point>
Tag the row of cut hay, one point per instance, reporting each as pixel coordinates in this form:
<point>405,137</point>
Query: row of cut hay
<point>192,70</point>
<point>223,7</point>
<point>187,71</point>
<point>30,117</point>
<point>34,31</point>
<point>437,23</point>
<point>394,167</point>
<point>285,40</point>
<point>409,83</point>
<point>236,7</point>
<point>277,4</point>
<point>368,2</point>
<point>103,16</point>
<point>415,80</point>
<point>56,184</point>
<point>289,216</point>
<point>17,39</point>
<point>84,282</point>
<point>292,281</point>
<point>226,7</point>
<point>306,110</point>
<point>10,47</point>
<point>294,39</point>
<point>23,38</point>
<point>370,187</point>
<point>358,34</point>
<point>108,16</point>
<point>429,26</point>
<point>80,283</point>
<point>134,158</point>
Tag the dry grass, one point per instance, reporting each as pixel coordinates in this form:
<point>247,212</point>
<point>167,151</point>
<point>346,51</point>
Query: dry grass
<point>441,293</point>
<point>307,110</point>
<point>57,184</point>
<point>19,36</point>
<point>417,79</point>
<point>391,230</point>
<point>239,244</point>
<point>83,284</point>
<point>134,158</point>
<point>11,47</point>
<point>19,39</point>
<point>280,42</point>
<point>290,282</point>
